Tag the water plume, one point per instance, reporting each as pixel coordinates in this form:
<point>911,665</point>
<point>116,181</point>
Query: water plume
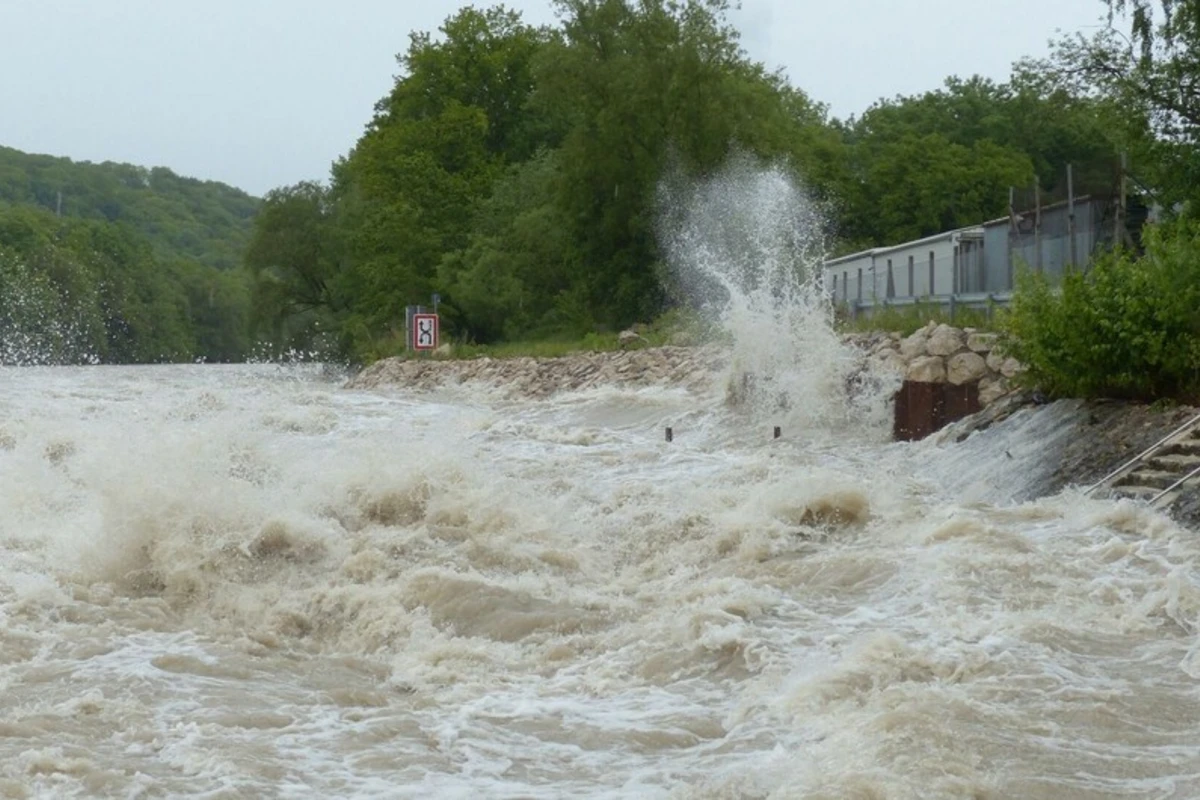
<point>744,245</point>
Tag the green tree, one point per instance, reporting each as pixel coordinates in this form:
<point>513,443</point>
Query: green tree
<point>1150,75</point>
<point>636,86</point>
<point>407,193</point>
<point>994,135</point>
<point>293,259</point>
<point>75,291</point>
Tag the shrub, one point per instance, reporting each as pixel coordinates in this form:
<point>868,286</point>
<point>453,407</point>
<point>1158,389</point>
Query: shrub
<point>1128,328</point>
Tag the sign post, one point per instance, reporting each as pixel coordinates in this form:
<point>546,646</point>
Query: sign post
<point>425,332</point>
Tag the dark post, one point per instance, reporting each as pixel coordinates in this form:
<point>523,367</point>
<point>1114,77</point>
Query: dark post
<point>778,432</point>
<point>670,435</point>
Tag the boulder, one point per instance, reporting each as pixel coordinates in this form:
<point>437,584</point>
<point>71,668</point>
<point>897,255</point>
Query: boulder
<point>992,389</point>
<point>965,368</point>
<point>995,361</point>
<point>927,369</point>
<point>885,346</point>
<point>891,361</point>
<point>913,346</point>
<point>944,341</point>
<point>1011,368</point>
<point>628,338</point>
<point>981,342</point>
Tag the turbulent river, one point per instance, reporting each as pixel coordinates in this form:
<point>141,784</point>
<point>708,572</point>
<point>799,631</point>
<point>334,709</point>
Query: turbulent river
<point>250,582</point>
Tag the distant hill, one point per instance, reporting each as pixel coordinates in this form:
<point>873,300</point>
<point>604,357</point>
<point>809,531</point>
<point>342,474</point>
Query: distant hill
<point>182,218</point>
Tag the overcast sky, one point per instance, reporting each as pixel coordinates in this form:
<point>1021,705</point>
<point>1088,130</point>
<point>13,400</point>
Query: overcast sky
<point>262,93</point>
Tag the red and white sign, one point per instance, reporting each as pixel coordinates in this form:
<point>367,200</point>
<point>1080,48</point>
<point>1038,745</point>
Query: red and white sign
<point>425,331</point>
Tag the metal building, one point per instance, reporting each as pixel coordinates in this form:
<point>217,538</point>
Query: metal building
<point>978,265</point>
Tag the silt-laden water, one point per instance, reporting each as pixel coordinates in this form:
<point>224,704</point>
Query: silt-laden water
<point>237,582</point>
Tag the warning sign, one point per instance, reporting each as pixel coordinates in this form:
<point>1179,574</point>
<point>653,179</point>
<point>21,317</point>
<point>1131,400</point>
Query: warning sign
<point>425,331</point>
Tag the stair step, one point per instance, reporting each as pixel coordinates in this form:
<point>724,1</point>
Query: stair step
<point>1148,477</point>
<point>1167,499</point>
<point>1176,462</point>
<point>1136,492</point>
<point>1183,447</point>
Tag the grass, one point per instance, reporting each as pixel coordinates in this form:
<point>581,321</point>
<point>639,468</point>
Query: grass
<point>909,318</point>
<point>670,327</point>
<point>680,324</point>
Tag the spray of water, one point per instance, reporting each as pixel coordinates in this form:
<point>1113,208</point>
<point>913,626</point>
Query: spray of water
<point>745,245</point>
<point>38,325</point>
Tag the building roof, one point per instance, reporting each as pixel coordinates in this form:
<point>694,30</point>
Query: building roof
<point>877,251</point>
<point>937,237</point>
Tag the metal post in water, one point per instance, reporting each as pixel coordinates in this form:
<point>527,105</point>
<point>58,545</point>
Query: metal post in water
<point>778,432</point>
<point>670,435</point>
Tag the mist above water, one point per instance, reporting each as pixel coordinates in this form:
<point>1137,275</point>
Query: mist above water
<point>745,246</point>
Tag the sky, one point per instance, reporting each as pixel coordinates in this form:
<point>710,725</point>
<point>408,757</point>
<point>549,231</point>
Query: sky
<point>266,93</point>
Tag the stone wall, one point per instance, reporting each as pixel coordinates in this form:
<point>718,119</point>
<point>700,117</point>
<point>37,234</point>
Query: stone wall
<point>934,354</point>
<point>944,354</point>
<point>690,367</point>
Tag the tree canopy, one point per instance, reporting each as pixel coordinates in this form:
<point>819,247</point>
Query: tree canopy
<point>203,221</point>
<point>515,170</point>
<point>116,263</point>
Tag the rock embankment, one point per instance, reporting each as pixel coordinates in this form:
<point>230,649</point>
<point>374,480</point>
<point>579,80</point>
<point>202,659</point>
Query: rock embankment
<point>933,354</point>
<point>689,367</point>
<point>944,354</point>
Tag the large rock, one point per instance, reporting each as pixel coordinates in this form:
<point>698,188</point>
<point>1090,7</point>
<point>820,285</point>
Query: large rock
<point>913,346</point>
<point>995,361</point>
<point>927,369</point>
<point>628,338</point>
<point>945,341</point>
<point>992,389</point>
<point>981,342</point>
<point>965,368</point>
<point>1011,368</point>
<point>891,361</point>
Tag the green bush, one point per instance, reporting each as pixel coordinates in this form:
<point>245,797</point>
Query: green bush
<point>1128,328</point>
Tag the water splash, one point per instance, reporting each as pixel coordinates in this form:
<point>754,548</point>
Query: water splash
<point>745,246</point>
<point>39,326</point>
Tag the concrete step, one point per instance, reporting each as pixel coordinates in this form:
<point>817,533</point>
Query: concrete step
<point>1148,477</point>
<point>1175,462</point>
<point>1183,447</point>
<point>1146,493</point>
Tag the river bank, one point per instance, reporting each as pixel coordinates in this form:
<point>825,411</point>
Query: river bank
<point>1077,442</point>
<point>933,354</point>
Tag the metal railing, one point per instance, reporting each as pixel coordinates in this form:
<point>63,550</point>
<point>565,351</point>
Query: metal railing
<point>973,300</point>
<point>1190,423</point>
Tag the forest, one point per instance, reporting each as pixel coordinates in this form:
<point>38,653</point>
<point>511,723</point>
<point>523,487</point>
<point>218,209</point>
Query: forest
<point>114,263</point>
<point>514,171</point>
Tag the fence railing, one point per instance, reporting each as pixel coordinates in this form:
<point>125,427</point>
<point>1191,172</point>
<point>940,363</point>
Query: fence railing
<point>977,301</point>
